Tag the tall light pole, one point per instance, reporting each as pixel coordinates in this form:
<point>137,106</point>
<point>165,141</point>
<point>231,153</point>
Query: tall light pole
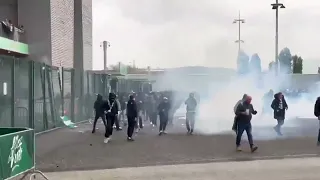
<point>276,7</point>
<point>105,45</point>
<point>239,21</point>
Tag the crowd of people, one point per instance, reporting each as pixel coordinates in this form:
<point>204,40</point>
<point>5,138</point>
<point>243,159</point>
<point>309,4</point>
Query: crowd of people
<point>244,110</point>
<point>272,103</point>
<point>135,109</point>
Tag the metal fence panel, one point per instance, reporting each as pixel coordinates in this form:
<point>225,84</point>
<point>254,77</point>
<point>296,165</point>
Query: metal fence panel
<point>21,91</point>
<point>36,95</point>
<point>5,89</point>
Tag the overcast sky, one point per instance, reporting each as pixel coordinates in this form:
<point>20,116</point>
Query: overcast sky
<point>173,33</point>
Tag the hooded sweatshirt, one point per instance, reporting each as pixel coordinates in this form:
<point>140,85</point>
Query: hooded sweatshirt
<point>99,105</point>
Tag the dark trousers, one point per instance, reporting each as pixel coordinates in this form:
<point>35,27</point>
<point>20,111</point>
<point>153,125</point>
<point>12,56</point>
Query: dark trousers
<point>153,118</point>
<point>241,127</point>
<point>110,121</point>
<point>190,120</point>
<point>163,122</point>
<point>139,123</point>
<point>117,121</point>
<point>319,133</point>
<point>97,116</point>
<point>131,125</point>
<point>280,123</point>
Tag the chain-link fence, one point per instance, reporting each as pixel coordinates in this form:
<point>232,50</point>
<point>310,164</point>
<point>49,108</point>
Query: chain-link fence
<point>36,95</point>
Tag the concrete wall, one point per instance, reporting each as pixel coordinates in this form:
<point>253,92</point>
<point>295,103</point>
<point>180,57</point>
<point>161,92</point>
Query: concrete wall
<point>59,32</point>
<point>9,11</point>
<point>62,28</point>
<point>35,16</point>
<point>87,33</point>
<point>83,34</point>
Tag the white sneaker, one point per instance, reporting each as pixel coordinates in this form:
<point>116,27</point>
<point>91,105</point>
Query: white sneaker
<point>106,140</point>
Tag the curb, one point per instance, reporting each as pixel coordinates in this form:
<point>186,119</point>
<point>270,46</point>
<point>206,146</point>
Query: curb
<point>196,161</point>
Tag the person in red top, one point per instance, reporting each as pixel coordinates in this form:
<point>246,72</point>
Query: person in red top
<point>244,114</point>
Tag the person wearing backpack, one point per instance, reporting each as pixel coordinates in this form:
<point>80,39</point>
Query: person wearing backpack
<point>317,114</point>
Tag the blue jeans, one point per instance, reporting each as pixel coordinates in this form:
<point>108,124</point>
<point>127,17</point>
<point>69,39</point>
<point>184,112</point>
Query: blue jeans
<point>319,133</point>
<point>241,127</point>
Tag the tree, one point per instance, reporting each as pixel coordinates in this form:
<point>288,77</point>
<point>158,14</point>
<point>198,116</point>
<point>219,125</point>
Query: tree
<point>285,61</point>
<point>255,63</point>
<point>242,63</point>
<point>297,64</point>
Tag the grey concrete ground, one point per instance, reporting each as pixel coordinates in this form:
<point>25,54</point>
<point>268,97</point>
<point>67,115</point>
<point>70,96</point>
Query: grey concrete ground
<point>78,149</point>
<point>288,169</point>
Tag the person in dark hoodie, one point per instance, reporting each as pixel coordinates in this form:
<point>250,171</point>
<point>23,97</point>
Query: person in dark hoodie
<point>191,103</point>
<point>244,113</point>
<point>132,114</point>
<point>317,114</point>
<point>279,106</point>
<point>112,111</point>
<point>234,125</point>
<point>99,107</point>
<point>163,109</point>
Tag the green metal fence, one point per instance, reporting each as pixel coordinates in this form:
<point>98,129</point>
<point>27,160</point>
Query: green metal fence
<point>35,95</point>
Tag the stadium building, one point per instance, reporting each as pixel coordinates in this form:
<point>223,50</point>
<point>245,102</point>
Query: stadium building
<point>55,32</point>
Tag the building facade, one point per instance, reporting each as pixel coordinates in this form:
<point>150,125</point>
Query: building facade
<point>58,32</point>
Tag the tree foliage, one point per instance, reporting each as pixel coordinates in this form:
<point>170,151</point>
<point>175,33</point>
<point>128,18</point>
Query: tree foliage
<point>243,63</point>
<point>297,64</point>
<point>255,63</point>
<point>285,60</point>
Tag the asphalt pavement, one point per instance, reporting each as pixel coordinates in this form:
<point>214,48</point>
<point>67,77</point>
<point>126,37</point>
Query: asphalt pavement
<point>78,149</point>
<point>288,169</point>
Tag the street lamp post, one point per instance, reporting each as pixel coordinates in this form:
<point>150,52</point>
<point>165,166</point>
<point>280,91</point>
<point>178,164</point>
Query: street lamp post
<point>276,7</point>
<point>239,41</point>
<point>106,45</point>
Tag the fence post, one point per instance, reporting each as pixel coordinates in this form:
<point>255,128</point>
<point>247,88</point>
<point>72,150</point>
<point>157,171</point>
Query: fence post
<point>31,94</point>
<point>43,83</point>
<point>88,82</point>
<point>72,94</point>
<point>13,97</point>
<point>94,83</point>
<point>62,91</point>
<point>50,91</point>
<point>80,108</point>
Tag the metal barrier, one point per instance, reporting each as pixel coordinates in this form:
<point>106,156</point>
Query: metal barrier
<point>17,154</point>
